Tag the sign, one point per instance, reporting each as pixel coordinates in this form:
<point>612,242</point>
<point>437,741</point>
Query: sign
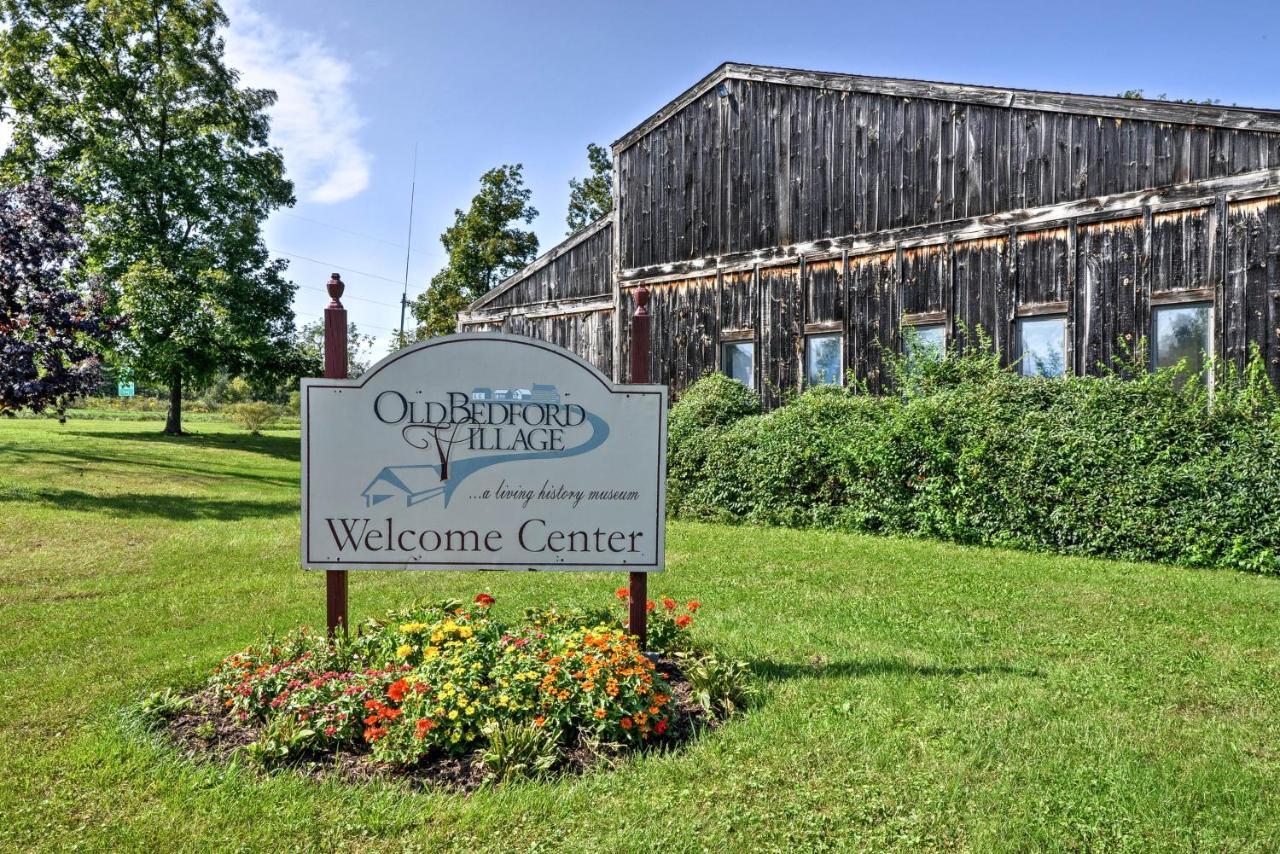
<point>124,389</point>
<point>483,451</point>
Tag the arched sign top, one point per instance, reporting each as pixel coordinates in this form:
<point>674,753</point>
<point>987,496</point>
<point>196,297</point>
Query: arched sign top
<point>483,451</point>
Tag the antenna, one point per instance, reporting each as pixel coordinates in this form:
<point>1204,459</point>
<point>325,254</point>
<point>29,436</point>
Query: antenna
<point>404,297</point>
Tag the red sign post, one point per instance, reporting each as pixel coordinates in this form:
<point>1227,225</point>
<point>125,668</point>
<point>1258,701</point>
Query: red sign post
<point>638,618</point>
<point>335,367</point>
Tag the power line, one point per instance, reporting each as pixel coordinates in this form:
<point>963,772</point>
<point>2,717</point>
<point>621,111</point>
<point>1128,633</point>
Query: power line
<point>334,266</point>
<point>429,254</point>
<point>361,299</point>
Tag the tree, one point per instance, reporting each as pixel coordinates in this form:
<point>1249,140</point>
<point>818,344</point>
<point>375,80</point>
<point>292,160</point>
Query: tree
<point>591,198</point>
<point>129,108</point>
<point>484,245</point>
<point>52,324</point>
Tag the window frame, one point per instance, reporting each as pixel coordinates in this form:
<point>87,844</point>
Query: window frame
<point>926,321</point>
<point>735,339</point>
<point>819,331</point>
<point>1198,298</point>
<point>1032,317</point>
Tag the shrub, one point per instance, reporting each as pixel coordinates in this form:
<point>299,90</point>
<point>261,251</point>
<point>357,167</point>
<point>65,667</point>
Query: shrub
<point>1147,468</point>
<point>706,408</point>
<point>723,688</point>
<point>254,416</point>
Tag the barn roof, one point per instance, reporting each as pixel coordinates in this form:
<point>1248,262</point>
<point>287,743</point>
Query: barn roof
<point>1172,112</point>
<point>541,261</point>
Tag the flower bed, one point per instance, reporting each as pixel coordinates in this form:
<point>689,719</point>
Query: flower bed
<point>450,693</point>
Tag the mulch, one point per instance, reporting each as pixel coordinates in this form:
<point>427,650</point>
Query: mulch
<point>204,731</point>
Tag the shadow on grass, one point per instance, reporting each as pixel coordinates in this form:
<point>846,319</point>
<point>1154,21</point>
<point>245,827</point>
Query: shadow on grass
<point>781,670</point>
<point>135,504</point>
<point>281,447</point>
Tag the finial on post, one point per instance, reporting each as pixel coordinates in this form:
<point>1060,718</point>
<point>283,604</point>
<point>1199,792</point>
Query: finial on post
<point>642,300</point>
<point>335,287</point>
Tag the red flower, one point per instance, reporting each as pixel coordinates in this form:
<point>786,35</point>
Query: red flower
<point>660,727</point>
<point>683,621</point>
<point>650,605</point>
<point>694,605</point>
<point>484,600</point>
<point>622,593</point>
<point>398,689</point>
<point>669,603</point>
<point>625,723</point>
<point>423,726</point>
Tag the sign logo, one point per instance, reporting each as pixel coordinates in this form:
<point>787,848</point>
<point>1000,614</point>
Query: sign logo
<point>483,451</point>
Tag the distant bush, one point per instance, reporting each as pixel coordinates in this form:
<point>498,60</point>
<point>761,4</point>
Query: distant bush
<point>1146,468</point>
<point>254,416</point>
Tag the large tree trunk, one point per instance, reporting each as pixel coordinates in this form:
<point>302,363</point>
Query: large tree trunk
<point>173,424</point>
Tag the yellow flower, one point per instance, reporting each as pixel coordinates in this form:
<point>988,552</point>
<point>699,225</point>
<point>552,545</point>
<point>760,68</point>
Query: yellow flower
<point>453,715</point>
<point>404,651</point>
<point>471,710</point>
<point>412,628</point>
<point>466,631</point>
<point>430,652</point>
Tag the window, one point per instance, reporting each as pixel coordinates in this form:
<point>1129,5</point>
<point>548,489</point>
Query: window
<point>927,341</point>
<point>823,358</point>
<point>737,360</point>
<point>1180,332</point>
<point>1042,346</point>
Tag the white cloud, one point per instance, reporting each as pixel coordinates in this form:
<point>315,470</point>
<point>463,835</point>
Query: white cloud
<point>314,121</point>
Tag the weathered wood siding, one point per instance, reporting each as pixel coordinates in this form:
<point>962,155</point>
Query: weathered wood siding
<point>575,269</point>
<point>1249,313</point>
<point>770,165</point>
<point>561,297</point>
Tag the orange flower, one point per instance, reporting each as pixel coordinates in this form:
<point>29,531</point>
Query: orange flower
<point>622,593</point>
<point>484,600</point>
<point>423,726</point>
<point>600,713</point>
<point>650,605</point>
<point>625,723</point>
<point>539,720</point>
<point>694,605</point>
<point>398,689</point>
<point>683,621</point>
<point>668,603</point>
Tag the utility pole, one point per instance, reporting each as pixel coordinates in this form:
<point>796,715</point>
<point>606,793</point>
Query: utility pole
<point>408,247</point>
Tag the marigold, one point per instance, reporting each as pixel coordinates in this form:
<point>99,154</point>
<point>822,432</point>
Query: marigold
<point>398,689</point>
<point>625,723</point>
<point>668,603</point>
<point>600,714</point>
<point>650,605</point>
<point>683,621</point>
<point>694,605</point>
<point>622,593</point>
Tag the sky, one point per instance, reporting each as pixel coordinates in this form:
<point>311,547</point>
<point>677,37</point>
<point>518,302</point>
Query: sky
<point>476,84</point>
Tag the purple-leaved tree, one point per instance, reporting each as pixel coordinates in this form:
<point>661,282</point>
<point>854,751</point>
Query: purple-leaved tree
<point>52,321</point>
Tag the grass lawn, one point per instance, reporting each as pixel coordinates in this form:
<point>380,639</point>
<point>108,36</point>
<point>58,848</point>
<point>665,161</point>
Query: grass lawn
<point>917,695</point>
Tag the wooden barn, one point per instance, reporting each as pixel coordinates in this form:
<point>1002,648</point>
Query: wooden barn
<point>789,225</point>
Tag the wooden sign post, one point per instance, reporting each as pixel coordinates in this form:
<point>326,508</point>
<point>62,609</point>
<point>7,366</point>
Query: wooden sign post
<point>335,368</point>
<point>638,613</point>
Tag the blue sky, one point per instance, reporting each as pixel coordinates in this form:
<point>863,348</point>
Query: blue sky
<point>476,84</point>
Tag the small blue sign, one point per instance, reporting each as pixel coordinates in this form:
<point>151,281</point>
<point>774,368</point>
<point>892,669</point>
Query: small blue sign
<point>124,389</point>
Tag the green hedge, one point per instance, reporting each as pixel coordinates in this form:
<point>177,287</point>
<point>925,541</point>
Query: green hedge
<point>1146,468</point>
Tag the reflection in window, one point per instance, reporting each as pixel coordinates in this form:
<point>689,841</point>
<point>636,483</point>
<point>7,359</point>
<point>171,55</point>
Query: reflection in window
<point>738,361</point>
<point>925,342</point>
<point>822,359</point>
<point>1180,332</point>
<point>1042,346</point>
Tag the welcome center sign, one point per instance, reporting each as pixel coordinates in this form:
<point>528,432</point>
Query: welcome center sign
<point>483,451</point>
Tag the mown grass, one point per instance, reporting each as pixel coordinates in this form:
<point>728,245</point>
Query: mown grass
<point>918,695</point>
